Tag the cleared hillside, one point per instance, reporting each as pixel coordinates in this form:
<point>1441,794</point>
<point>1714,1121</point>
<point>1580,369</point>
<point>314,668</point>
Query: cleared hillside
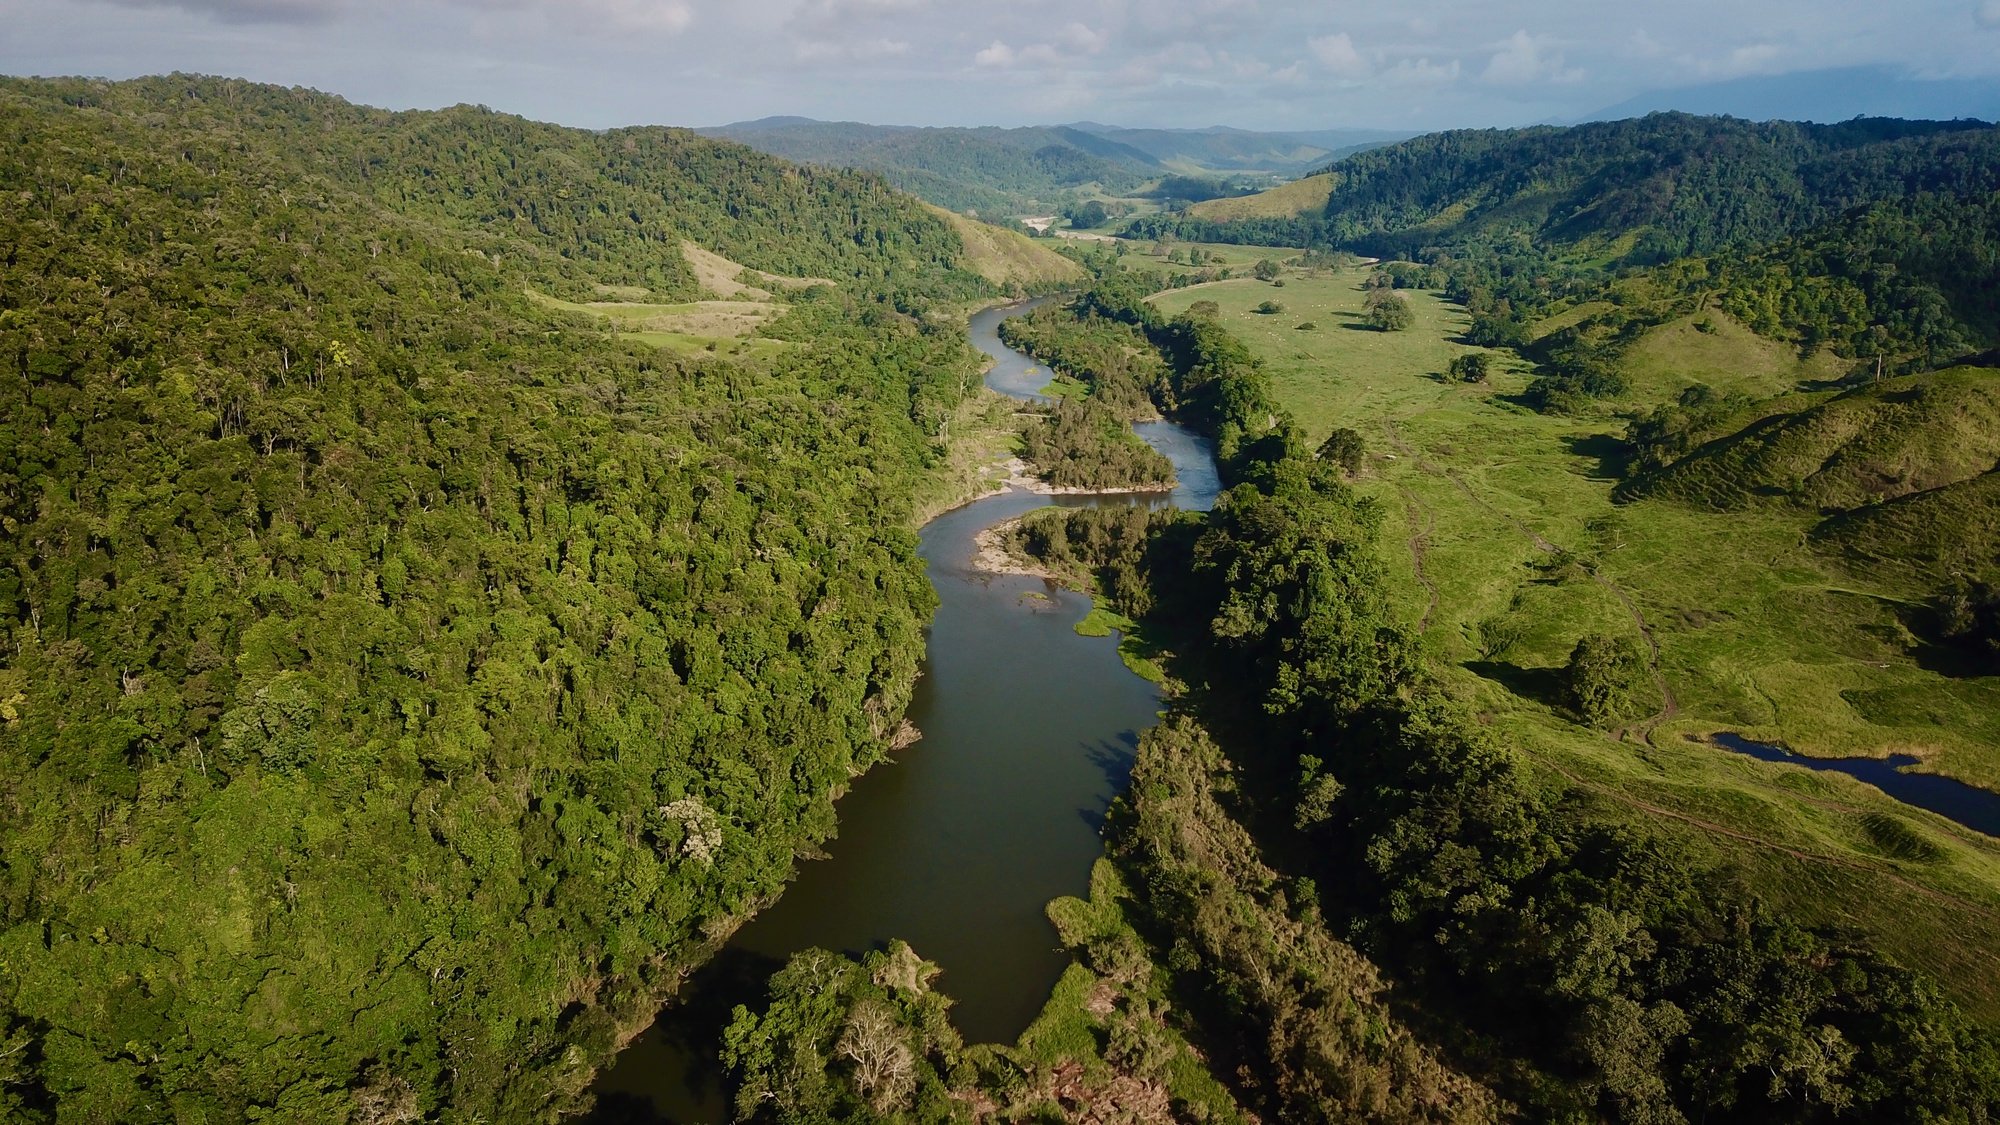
<point>1872,444</point>
<point>1010,259</point>
<point>1306,196</point>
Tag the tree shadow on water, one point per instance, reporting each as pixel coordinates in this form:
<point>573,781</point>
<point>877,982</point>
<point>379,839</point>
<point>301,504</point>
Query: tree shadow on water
<point>1114,756</point>
<point>673,1074</point>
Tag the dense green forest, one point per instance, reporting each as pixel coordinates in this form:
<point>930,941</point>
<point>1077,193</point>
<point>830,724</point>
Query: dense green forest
<point>999,173</point>
<point>995,172</point>
<point>404,680</point>
<point>1645,190</point>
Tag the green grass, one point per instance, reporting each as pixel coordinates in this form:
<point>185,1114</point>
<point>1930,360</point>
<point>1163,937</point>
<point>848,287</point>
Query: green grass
<point>1236,258</point>
<point>1759,632</point>
<point>1139,653</point>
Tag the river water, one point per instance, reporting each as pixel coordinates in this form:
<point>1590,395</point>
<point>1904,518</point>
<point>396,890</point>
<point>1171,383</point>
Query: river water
<point>959,843</point>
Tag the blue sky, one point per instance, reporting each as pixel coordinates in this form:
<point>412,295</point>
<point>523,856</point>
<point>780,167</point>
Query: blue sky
<point>1251,63</point>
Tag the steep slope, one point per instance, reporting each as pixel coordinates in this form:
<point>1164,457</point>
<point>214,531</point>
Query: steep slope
<point>1878,442</point>
<point>405,679</point>
<point>1941,536</point>
<point>1305,196</point>
<point>1669,184</point>
<point>1010,259</point>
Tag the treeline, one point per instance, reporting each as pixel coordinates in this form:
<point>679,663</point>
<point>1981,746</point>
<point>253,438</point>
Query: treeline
<point>405,681</point>
<point>1684,185</point>
<point>582,208</point>
<point>1571,961</point>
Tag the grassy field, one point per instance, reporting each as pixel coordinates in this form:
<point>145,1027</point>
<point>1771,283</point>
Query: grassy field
<point>1506,549</point>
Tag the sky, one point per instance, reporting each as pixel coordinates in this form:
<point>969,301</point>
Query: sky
<point>1260,64</point>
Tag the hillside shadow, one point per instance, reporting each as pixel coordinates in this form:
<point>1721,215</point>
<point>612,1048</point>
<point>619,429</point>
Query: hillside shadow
<point>1613,456</point>
<point>1540,685</point>
<point>1934,654</point>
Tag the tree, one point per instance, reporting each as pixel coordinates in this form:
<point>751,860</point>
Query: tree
<point>1389,313</point>
<point>1208,309</point>
<point>1603,677</point>
<point>1345,448</point>
<point>1265,270</point>
<point>1469,368</point>
<point>1268,308</point>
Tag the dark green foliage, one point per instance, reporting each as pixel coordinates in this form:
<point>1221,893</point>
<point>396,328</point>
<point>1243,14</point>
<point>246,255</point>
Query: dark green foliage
<point>1114,360</point>
<point>1265,270</point>
<point>1673,431</point>
<point>1969,616</point>
<point>842,1040</point>
<point>1605,679</point>
<point>1112,550</point>
<point>1268,308</point>
<point>992,171</point>
<point>403,679</point>
<point>1470,368</point>
<point>1913,279</point>
<point>1083,444</point>
<point>1346,448</point>
<point>1389,312</point>
<point>1583,968</point>
<point>1686,185</point>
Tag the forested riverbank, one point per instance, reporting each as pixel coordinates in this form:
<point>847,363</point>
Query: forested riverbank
<point>409,677</point>
<point>1567,962</point>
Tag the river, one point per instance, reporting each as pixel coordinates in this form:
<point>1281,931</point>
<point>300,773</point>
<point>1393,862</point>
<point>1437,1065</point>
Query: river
<point>960,842</point>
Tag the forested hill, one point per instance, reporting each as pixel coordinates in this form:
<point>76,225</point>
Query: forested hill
<point>995,172</point>
<point>1025,171</point>
<point>404,678</point>
<point>1645,190</point>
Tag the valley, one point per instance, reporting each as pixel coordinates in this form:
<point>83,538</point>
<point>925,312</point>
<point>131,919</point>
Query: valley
<point>509,622</point>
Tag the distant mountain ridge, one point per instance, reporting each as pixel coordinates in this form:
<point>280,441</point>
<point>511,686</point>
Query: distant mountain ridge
<point>1000,171</point>
<point>1822,96</point>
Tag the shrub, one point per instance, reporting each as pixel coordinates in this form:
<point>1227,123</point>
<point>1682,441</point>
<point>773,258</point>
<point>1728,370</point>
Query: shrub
<point>1604,678</point>
<point>1269,308</point>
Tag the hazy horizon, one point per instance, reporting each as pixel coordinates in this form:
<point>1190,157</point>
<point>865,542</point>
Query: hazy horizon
<point>1194,64</point>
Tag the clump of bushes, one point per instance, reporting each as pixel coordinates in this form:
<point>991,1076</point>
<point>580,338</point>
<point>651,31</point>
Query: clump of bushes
<point>1389,312</point>
<point>1605,680</point>
<point>1268,308</point>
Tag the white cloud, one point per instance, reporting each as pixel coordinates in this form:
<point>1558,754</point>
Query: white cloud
<point>639,15</point>
<point>1421,72</point>
<point>996,54</point>
<point>1091,42</point>
<point>1338,55</point>
<point>867,50</point>
<point>1751,57</point>
<point>1523,59</point>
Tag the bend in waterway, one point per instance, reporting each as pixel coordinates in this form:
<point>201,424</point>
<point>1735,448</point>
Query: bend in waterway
<point>957,845</point>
